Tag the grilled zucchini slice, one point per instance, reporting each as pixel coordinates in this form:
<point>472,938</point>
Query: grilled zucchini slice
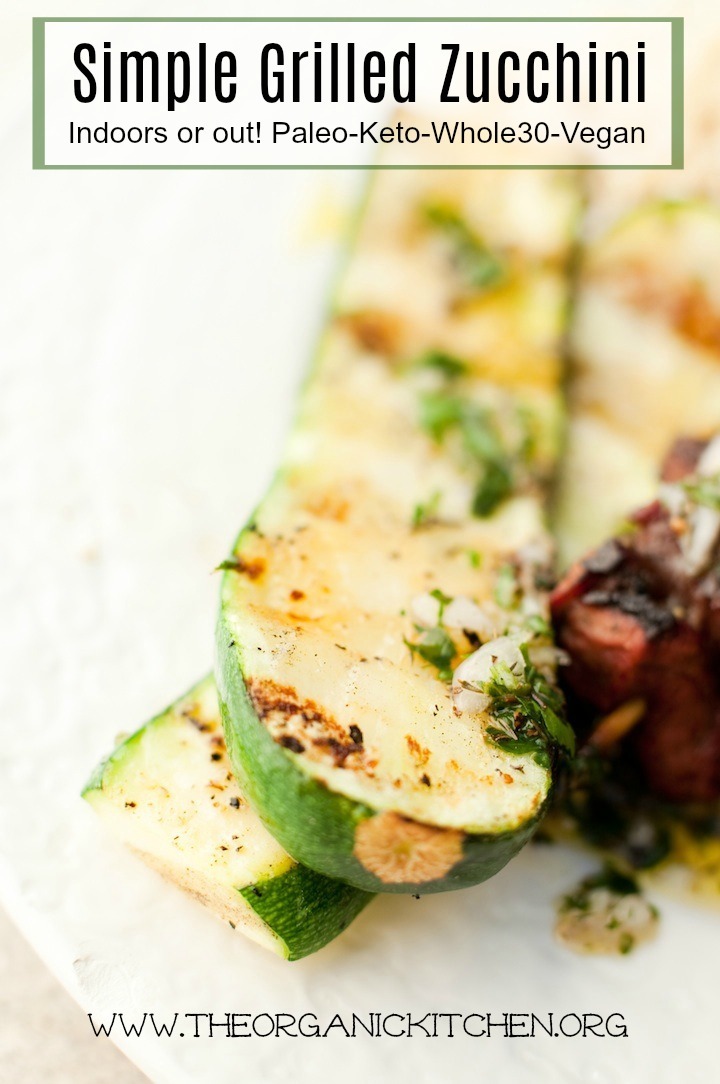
<point>415,480</point>
<point>169,793</point>
<point>645,346</point>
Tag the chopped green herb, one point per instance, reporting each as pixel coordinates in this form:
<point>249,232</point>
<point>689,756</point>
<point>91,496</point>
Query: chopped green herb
<point>506,587</point>
<point>704,490</point>
<point>495,486</point>
<point>479,267</point>
<point>480,436</point>
<point>593,917</point>
<point>444,601</point>
<point>611,810</point>
<point>427,512</point>
<point>627,943</point>
<point>230,564</point>
<point>537,624</point>
<point>529,424</point>
<point>474,558</point>
<point>441,414</point>
<point>527,710</point>
<point>435,647</point>
<point>609,877</point>
<point>447,364</point>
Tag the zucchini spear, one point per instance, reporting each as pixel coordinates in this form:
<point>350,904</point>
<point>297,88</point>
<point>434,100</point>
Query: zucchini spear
<point>168,792</point>
<point>645,343</point>
<point>385,670</point>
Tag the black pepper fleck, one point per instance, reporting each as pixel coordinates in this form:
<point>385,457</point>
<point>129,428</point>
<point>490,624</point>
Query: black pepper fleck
<point>291,743</point>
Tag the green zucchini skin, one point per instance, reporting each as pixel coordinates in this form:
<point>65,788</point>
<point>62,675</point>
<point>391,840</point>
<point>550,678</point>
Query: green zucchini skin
<point>310,820</point>
<point>304,909</point>
<point>150,792</point>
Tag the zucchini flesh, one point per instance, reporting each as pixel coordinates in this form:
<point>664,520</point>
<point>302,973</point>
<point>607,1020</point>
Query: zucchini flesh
<point>168,792</point>
<point>645,341</point>
<point>421,459</point>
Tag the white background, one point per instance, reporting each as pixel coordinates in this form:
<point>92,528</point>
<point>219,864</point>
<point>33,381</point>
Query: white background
<point>153,329</point>
<point>246,41</point>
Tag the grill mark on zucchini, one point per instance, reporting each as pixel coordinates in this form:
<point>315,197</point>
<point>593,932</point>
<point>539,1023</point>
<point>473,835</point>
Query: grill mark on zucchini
<point>376,332</point>
<point>301,725</point>
<point>686,305</point>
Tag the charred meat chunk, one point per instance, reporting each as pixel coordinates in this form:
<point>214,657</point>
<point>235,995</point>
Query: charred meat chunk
<point>640,618</point>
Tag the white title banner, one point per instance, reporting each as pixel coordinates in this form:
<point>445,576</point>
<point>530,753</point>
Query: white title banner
<point>323,93</point>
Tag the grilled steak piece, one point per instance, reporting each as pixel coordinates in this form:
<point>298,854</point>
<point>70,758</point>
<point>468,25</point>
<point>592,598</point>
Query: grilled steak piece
<point>640,617</point>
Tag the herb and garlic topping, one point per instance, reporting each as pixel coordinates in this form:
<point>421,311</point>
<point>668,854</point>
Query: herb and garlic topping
<point>500,661</point>
<point>606,915</point>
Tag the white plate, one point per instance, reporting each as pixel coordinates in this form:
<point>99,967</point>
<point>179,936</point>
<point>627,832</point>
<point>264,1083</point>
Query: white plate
<point>154,328</point>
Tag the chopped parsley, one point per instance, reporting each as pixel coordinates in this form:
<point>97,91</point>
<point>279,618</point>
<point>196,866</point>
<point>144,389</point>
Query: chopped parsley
<point>435,644</point>
<point>443,599</point>
<point>539,626</point>
<point>480,435</point>
<point>704,490</point>
<point>475,558</point>
<point>441,414</point>
<point>609,877</point>
<point>479,267</point>
<point>627,942</point>
<point>592,918</point>
<point>423,514</point>
<point>495,485</point>
<point>529,425</point>
<point>436,647</point>
<point>448,365</point>
<point>506,588</point>
<point>610,809</point>
<point>620,885</point>
<point>527,713</point>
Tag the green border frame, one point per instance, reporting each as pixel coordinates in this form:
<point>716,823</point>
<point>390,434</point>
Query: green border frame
<point>677,121</point>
